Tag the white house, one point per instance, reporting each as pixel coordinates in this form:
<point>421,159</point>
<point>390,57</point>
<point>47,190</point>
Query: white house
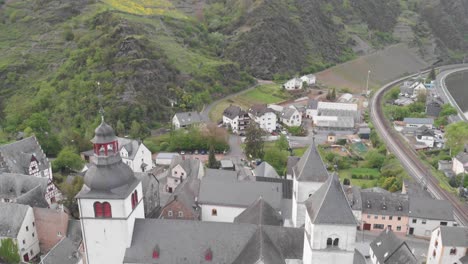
<point>165,158</point>
<point>265,117</point>
<point>180,169</point>
<point>338,109</point>
<point>330,226</point>
<point>460,162</point>
<point>310,79</point>
<point>293,84</point>
<point>387,248</point>
<point>419,122</point>
<point>448,245</point>
<point>425,135</point>
<point>309,174</point>
<point>17,223</point>
<point>186,119</point>
<point>426,214</point>
<point>110,201</point>
<point>135,154</point>
<point>220,200</point>
<point>311,109</point>
<point>290,116</point>
<point>235,118</point>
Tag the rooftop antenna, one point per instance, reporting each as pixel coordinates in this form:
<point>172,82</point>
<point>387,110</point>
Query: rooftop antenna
<point>101,109</point>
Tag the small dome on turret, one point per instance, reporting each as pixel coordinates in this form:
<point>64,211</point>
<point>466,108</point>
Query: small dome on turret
<point>104,134</point>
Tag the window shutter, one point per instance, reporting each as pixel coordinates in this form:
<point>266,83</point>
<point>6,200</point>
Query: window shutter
<point>107,210</point>
<point>98,211</point>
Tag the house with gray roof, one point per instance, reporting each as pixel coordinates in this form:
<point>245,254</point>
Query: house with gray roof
<point>387,248</point>
<point>220,198</point>
<point>311,108</point>
<point>448,244</point>
<point>166,241</point>
<point>265,170</point>
<point>433,108</point>
<point>419,122</point>
<point>460,162</point>
<point>264,116</point>
<point>426,214</point>
<point>24,189</point>
<point>186,119</point>
<point>260,213</point>
<point>290,116</point>
<point>330,226</point>
<point>236,118</point>
<point>18,224</point>
<point>308,176</point>
<point>181,168</point>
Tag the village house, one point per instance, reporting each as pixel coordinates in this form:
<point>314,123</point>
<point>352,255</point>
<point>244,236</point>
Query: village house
<point>293,84</point>
<point>338,109</point>
<point>180,169</point>
<point>425,135</point>
<point>460,162</point>
<point>18,224</point>
<point>311,108</point>
<point>186,119</point>
<point>412,88</point>
<point>291,117</point>
<point>265,117</point>
<point>236,119</point>
<point>433,108</point>
<point>382,209</point>
<point>265,170</point>
<point>309,79</point>
<point>419,122</point>
<point>448,245</point>
<point>165,158</point>
<point>51,226</point>
<point>26,157</point>
<point>387,248</point>
<point>425,214</point>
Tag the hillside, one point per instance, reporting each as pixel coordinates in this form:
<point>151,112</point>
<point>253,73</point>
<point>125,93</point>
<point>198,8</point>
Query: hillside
<point>156,57</point>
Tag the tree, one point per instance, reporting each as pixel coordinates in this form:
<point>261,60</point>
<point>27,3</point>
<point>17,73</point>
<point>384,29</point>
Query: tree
<point>67,160</point>
<point>346,181</point>
<point>254,141</point>
<point>9,251</point>
<point>375,159</point>
<point>212,162</point>
<point>135,130</point>
<point>457,136</point>
<point>282,143</point>
<point>277,158</point>
<point>70,191</point>
<point>120,128</point>
<point>422,97</point>
<point>432,74</point>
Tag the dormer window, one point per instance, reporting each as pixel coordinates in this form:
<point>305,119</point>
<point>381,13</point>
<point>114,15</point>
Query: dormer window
<point>453,251</point>
<point>156,252</point>
<point>134,199</point>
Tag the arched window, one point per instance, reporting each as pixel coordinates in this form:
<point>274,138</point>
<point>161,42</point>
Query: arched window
<point>433,253</point>
<point>453,251</point>
<point>133,200</point>
<point>329,242</point>
<point>136,197</point>
<point>335,242</point>
<point>214,212</point>
<point>107,210</point>
<point>98,210</point>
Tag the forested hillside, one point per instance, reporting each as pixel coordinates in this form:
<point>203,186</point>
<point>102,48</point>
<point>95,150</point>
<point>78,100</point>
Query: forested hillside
<point>156,57</point>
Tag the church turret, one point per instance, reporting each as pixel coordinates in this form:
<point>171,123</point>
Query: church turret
<point>110,201</point>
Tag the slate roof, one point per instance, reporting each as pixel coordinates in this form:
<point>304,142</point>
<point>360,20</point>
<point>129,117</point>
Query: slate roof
<point>17,156</point>
<point>424,131</point>
<point>11,218</point>
<point>454,236</point>
<point>310,166</point>
<point>353,194</point>
<point>433,108</point>
<point>421,121</point>
<point>186,193</point>
<point>214,190</point>
<point>74,231</point>
<point>464,259</point>
<point>292,161</point>
<point>130,145</point>
<point>265,170</point>
<point>185,242</point>
<point>388,248</point>
<point>381,202</point>
<point>260,249</point>
<point>312,104</point>
<point>24,189</point>
<point>260,109</point>
<point>188,118</point>
<point>288,112</point>
<point>462,157</point>
<point>328,205</point>
<point>358,258</point>
<point>414,189</point>
<point>190,166</point>
<point>287,185</point>
<point>428,208</point>
<point>232,111</point>
<point>220,175</point>
<point>260,213</point>
<point>65,252</point>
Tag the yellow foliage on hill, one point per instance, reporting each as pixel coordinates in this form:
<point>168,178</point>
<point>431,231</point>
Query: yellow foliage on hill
<point>146,7</point>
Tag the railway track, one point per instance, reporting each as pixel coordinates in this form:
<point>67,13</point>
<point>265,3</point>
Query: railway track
<point>408,156</point>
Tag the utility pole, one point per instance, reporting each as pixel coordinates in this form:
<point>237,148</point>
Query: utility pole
<point>367,83</point>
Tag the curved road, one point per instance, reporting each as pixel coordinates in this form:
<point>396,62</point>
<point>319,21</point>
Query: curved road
<point>408,156</point>
<point>445,95</point>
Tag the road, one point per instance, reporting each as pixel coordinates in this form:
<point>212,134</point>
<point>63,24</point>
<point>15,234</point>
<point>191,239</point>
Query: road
<point>408,156</point>
<point>443,91</point>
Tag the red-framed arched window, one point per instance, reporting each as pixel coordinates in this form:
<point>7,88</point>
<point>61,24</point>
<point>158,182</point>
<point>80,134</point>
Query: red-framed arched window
<point>134,199</point>
<point>107,210</point>
<point>98,210</point>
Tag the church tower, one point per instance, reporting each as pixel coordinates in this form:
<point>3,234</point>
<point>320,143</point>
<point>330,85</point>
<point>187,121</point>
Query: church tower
<point>110,201</point>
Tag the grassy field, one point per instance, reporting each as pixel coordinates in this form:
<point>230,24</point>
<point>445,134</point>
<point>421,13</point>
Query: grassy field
<point>361,172</point>
<point>263,94</point>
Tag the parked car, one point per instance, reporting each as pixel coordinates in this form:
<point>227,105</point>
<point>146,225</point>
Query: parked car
<point>182,152</point>
<point>203,152</point>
